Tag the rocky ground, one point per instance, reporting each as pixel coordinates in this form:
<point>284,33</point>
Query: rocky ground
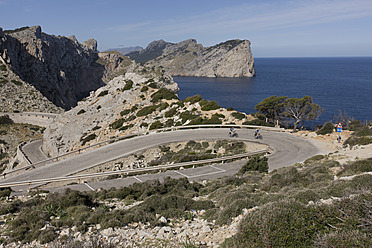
<point>329,146</point>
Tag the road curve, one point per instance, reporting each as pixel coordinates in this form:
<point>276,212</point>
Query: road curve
<point>288,150</point>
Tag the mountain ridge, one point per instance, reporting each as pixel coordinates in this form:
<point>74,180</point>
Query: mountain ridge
<point>232,58</point>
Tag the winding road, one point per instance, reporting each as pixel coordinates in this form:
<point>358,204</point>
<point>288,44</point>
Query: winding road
<point>287,150</point>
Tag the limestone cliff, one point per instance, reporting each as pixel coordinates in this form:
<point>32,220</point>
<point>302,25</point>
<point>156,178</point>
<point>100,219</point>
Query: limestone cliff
<point>61,68</point>
<point>232,58</point>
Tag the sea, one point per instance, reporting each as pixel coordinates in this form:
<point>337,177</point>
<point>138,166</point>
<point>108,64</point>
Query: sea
<point>336,84</point>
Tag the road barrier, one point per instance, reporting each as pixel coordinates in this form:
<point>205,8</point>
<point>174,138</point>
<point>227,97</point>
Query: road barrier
<point>128,136</point>
<point>131,171</point>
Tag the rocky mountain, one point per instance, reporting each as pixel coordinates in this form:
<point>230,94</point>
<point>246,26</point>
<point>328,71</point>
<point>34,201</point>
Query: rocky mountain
<point>61,68</point>
<point>152,51</point>
<point>232,58</point>
<point>125,50</point>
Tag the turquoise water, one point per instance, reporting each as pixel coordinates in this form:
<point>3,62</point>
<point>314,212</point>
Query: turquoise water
<point>334,83</point>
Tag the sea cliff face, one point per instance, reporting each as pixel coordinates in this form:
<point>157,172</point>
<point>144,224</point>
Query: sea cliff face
<point>188,58</point>
<point>61,68</point>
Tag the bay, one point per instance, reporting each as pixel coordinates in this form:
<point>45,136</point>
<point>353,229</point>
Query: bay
<point>334,83</point>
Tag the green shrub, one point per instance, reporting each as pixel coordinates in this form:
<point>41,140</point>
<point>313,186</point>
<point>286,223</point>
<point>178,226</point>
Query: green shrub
<point>355,125</point>
<point>5,192</point>
<point>170,113</point>
<point>82,111</point>
<point>314,159</point>
<point>126,127</point>
<point>356,167</point>
<point>193,99</point>
<point>212,120</point>
<point>230,109</point>
<point>327,128</point>
<point>2,67</point>
<point>153,85</point>
<point>144,88</point>
<point>125,112</point>
<point>146,110</point>
<point>238,115</point>
<point>5,120</point>
<point>156,125</point>
<point>187,115</point>
<point>128,85</point>
<point>353,141</point>
<point>209,105</point>
<point>16,82</point>
<point>88,138</point>
<point>163,93</point>
<point>117,124</point>
<point>96,128</point>
<point>363,131</point>
<point>103,93</point>
<point>216,115</point>
<point>256,163</point>
<point>258,122</point>
<point>344,239</point>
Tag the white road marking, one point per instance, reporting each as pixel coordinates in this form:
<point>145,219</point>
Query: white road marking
<point>217,168</point>
<point>206,174</point>
<point>89,186</point>
<point>182,174</point>
<point>137,179</point>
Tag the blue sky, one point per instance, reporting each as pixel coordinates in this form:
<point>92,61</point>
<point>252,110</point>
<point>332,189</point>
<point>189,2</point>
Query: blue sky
<point>276,28</point>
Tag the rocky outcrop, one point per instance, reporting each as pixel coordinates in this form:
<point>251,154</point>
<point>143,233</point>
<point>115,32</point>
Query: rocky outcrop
<point>188,58</point>
<point>61,68</point>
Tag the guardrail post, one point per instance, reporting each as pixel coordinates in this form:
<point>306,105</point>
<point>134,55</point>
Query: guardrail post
<point>29,186</point>
<point>4,174</point>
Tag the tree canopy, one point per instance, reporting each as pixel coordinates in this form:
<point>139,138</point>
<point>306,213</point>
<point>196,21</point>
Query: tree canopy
<point>296,110</point>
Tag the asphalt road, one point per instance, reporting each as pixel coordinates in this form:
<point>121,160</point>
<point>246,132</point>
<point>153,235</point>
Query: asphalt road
<point>288,150</point>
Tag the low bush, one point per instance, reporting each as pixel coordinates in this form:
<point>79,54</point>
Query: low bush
<point>230,109</point>
<point>170,113</point>
<point>156,125</point>
<point>5,120</point>
<point>193,99</point>
<point>363,131</point>
<point>238,115</point>
<point>128,85</point>
<point>144,88</point>
<point>327,128</point>
<point>117,124</point>
<point>355,125</point>
<point>125,112</point>
<point>356,167</point>
<point>209,105</point>
<point>16,82</point>
<point>353,141</point>
<point>163,93</point>
<point>258,122</point>
<point>187,115</point>
<point>82,111</point>
<point>88,138</point>
<point>146,110</point>
<point>103,93</point>
<point>5,192</point>
<point>256,163</point>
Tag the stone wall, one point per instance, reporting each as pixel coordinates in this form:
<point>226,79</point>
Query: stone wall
<point>39,119</point>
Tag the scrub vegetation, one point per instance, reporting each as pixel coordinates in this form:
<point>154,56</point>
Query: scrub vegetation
<point>299,206</point>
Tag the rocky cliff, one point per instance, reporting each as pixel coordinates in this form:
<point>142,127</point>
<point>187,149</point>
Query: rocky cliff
<point>232,58</point>
<point>61,68</point>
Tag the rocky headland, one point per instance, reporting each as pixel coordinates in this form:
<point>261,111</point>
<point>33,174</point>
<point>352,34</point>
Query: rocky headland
<point>232,58</point>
